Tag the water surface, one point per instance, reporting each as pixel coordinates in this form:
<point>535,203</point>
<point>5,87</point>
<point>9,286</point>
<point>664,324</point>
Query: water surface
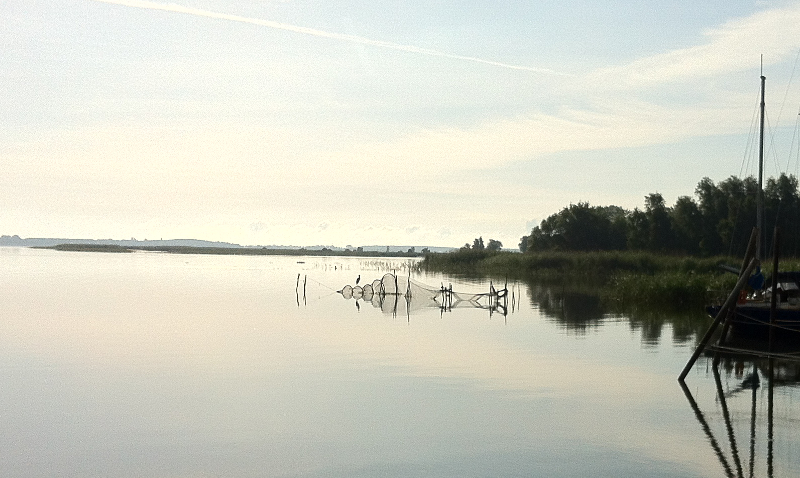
<point>164,365</point>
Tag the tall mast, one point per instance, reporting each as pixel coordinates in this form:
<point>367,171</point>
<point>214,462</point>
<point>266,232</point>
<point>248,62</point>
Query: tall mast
<point>760,197</point>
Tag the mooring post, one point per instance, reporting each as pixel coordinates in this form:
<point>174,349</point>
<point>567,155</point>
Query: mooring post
<point>773,301</point>
<point>751,251</point>
<point>729,302</point>
<point>450,296</point>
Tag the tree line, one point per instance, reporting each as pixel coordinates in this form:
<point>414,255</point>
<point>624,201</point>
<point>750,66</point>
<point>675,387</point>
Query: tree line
<point>718,220</point>
<point>478,245</point>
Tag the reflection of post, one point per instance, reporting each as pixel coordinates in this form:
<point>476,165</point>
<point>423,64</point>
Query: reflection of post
<point>754,384</point>
<point>769,416</point>
<point>711,439</point>
<point>513,299</point>
<point>774,299</point>
<point>726,415</point>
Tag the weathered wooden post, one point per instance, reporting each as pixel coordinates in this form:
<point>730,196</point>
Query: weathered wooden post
<point>751,251</point>
<point>773,302</point>
<point>723,311</point>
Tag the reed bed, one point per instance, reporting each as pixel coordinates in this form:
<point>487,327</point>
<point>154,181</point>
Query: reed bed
<point>630,279</point>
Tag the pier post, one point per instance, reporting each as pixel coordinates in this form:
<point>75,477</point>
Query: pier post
<point>723,311</point>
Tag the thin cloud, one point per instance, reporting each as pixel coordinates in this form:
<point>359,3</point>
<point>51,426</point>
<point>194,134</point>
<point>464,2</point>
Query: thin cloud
<point>174,8</point>
<point>733,46</point>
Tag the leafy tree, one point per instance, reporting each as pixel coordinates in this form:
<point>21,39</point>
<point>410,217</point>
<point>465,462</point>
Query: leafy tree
<point>782,209</point>
<point>494,245</point>
<point>718,220</point>
<point>523,243</point>
<point>638,230</point>
<point>477,244</point>
<point>713,207</point>
<point>659,237</point>
<point>687,223</point>
<point>579,227</point>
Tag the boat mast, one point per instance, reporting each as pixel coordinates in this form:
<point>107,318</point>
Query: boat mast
<point>760,197</point>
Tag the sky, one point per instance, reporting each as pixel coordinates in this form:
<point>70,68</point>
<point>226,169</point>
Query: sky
<point>354,123</point>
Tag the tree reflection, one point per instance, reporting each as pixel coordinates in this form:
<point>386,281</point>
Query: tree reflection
<point>581,305</point>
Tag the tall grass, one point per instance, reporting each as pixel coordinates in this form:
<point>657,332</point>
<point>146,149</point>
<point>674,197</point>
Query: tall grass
<point>545,263</point>
<point>627,278</point>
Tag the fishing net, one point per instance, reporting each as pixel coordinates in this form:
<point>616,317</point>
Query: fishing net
<point>395,294</point>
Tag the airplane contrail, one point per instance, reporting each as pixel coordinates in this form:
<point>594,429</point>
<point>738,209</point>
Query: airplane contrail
<point>174,8</point>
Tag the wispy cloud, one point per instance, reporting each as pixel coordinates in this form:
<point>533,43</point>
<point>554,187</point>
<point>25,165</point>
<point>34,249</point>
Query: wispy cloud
<point>733,46</point>
<point>174,8</point>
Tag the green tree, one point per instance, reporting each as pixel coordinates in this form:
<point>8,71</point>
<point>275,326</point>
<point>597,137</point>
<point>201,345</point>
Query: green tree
<point>782,209</point>
<point>524,243</point>
<point>659,234</point>
<point>494,245</point>
<point>638,230</point>
<point>713,207</point>
<point>687,223</point>
<point>580,227</point>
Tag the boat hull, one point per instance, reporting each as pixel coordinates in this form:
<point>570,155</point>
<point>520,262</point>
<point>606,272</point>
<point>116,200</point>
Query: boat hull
<point>752,320</point>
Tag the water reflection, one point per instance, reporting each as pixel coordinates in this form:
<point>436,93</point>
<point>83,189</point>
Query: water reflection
<point>745,424</point>
<point>572,305</point>
<point>162,365</point>
<point>396,295</point>
<point>582,306</point>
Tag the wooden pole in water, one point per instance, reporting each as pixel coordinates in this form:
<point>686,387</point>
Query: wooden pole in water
<point>773,301</point>
<point>751,247</point>
<point>723,311</point>
<point>751,251</point>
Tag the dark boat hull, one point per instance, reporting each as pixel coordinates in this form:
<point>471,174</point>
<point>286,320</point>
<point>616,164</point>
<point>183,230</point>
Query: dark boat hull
<point>752,320</point>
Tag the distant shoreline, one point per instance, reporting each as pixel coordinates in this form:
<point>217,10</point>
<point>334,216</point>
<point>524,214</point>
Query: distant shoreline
<point>230,251</point>
<point>369,250</point>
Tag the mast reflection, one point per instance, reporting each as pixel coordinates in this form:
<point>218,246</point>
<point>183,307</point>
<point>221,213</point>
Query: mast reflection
<point>739,383</point>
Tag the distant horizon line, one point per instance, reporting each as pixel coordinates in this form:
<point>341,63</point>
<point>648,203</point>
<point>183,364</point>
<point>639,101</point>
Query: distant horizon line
<point>11,240</point>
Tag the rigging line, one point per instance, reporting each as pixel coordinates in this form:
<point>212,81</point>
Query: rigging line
<point>788,86</point>
<point>772,149</point>
<point>748,151</point>
<point>792,145</point>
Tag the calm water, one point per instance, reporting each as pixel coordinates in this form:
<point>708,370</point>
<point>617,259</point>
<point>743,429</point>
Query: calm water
<point>156,365</point>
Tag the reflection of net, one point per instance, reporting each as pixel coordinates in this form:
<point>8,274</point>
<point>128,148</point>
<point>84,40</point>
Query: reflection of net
<point>393,294</point>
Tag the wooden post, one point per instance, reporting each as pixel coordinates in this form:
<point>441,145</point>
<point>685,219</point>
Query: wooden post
<point>751,246</point>
<point>729,302</point>
<point>773,302</point>
<point>751,250</point>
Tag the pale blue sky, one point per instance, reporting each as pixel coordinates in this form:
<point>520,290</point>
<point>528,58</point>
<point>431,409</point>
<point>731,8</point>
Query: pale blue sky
<point>371,122</point>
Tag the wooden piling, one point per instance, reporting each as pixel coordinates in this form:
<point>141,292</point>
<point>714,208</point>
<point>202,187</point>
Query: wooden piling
<point>773,302</point>
<point>751,251</point>
<point>723,311</point>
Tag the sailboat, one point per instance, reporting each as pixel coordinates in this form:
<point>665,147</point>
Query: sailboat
<point>757,315</point>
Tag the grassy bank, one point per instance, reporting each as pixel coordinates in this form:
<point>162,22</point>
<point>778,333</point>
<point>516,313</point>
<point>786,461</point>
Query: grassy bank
<point>627,278</point>
<point>567,263</point>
